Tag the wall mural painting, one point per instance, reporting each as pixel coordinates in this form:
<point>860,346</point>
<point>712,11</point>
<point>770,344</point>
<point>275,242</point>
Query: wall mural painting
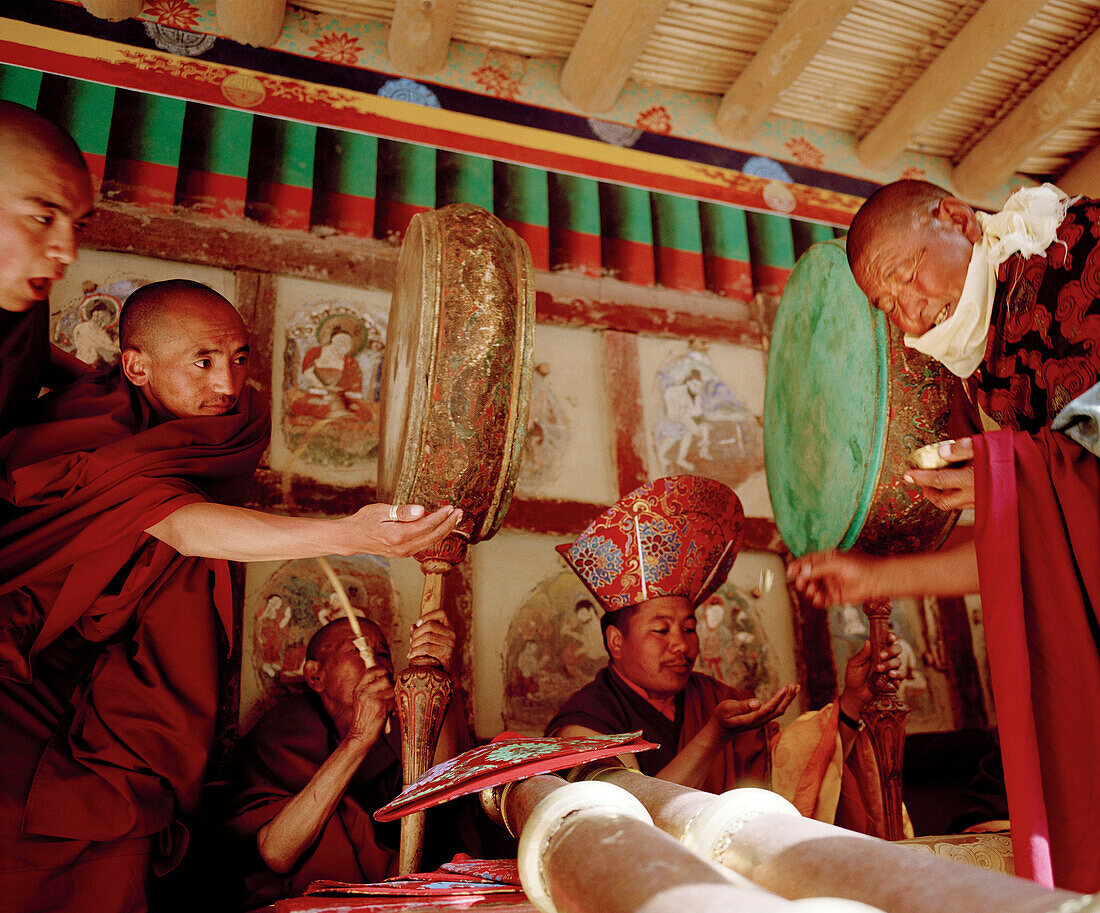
<point>296,601</point>
<point>547,435</point>
<point>924,686</point>
<point>332,385</point>
<point>704,428</point>
<point>88,327</point>
<point>554,646</point>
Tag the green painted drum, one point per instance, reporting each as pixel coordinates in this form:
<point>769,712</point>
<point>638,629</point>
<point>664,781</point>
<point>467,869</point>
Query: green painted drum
<point>846,402</point>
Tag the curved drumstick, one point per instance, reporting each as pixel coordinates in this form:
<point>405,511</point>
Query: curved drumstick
<point>359,640</point>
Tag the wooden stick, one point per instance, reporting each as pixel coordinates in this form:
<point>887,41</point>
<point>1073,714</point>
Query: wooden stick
<point>358,640</point>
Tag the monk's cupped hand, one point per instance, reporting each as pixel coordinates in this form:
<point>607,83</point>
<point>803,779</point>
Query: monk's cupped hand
<point>832,578</point>
<point>950,488</point>
<point>433,638</point>
<point>735,716</point>
<point>374,701</point>
<point>396,532</point>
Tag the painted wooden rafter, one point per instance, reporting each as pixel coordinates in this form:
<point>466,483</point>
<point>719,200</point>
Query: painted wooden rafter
<point>420,35</point>
<point>798,36</point>
<point>613,37</point>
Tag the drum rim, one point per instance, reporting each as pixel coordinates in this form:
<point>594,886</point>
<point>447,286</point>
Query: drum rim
<point>878,434</point>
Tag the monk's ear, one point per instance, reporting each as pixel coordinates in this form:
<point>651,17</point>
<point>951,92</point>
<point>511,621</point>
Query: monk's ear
<point>312,673</point>
<point>614,641</point>
<point>953,213</point>
<point>135,366</point>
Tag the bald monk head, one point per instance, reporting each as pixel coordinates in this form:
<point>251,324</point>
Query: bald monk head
<point>46,197</point>
<point>185,347</point>
<point>909,247</point>
<point>334,668</point>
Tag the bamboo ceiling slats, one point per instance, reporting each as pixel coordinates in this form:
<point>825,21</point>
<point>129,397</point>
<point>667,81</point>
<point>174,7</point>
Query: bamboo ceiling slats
<point>851,78</point>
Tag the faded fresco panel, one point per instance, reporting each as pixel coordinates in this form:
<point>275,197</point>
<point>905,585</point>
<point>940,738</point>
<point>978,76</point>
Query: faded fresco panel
<point>703,404</point>
<point>84,306</point>
<point>286,602</point>
<point>326,392</point>
<point>568,452</point>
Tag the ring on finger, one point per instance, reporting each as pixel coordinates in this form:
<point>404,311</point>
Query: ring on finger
<point>393,512</point>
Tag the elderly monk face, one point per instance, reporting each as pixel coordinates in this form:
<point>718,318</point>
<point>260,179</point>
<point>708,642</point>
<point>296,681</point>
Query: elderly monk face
<point>914,271</point>
<point>338,667</point>
<point>657,651</point>
<point>192,358</point>
<point>45,199</point>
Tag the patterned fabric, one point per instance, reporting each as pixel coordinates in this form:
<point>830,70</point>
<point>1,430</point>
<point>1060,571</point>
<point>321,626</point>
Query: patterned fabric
<point>672,537</point>
<point>1044,342</point>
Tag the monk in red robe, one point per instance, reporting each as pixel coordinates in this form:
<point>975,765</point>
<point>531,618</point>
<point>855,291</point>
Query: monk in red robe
<point>314,769</point>
<point>115,590</point>
<point>46,197</point>
<point>1010,302</point>
<point>650,559</point>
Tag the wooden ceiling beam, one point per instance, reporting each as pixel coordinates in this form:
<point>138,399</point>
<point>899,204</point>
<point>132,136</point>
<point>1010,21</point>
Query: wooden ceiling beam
<point>798,36</point>
<point>612,39</point>
<point>999,154</point>
<point>992,27</point>
<point>1082,176</point>
<point>114,10</point>
<point>255,22</point>
<point>420,35</point>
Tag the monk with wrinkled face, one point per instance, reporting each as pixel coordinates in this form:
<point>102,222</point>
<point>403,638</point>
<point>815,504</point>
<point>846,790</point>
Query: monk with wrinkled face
<point>909,248</point>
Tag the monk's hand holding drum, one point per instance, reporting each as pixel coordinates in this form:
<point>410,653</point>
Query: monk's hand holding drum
<point>432,637</point>
<point>373,702</point>
<point>950,487</point>
<point>735,716</point>
<point>858,673</point>
<point>832,578</point>
<point>394,531</point>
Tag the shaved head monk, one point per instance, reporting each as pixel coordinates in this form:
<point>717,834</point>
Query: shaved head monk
<point>46,197</point>
<point>113,585</point>
<point>317,765</point>
<point>1010,303</point>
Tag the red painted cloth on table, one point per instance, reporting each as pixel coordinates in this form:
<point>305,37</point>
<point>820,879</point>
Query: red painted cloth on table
<point>1037,533</point>
<point>1044,340</point>
<point>108,637</point>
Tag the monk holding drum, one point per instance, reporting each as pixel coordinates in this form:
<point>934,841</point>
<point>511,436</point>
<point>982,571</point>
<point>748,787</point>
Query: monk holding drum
<point>1009,302</point>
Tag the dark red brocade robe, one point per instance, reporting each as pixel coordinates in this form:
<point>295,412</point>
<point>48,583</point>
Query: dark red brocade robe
<point>1037,531</point>
<point>108,637</point>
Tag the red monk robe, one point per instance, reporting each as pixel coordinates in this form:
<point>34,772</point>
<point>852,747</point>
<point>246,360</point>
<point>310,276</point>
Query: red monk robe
<point>1037,532</point>
<point>108,637</point>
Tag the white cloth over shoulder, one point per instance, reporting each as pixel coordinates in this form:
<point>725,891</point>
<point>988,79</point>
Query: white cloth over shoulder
<point>1027,225</point>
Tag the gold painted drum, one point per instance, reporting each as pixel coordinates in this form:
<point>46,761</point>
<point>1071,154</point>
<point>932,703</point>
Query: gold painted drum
<point>845,404</point>
<point>456,384</point>
<point>456,377</point>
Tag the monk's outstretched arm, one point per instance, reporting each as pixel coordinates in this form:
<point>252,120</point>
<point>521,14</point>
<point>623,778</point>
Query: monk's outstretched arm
<point>694,761</point>
<point>300,821</point>
<point>209,530</point>
<point>832,578</point>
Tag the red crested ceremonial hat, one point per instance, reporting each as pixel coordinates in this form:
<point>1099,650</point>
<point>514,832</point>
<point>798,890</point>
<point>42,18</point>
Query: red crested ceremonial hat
<point>672,537</point>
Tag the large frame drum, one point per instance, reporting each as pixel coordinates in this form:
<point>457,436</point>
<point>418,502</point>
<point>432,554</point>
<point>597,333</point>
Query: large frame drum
<point>456,390</point>
<point>846,403</point>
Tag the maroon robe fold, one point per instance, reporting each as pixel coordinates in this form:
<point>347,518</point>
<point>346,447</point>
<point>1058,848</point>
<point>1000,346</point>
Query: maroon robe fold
<point>108,637</point>
<point>275,762</point>
<point>1037,533</point>
<point>607,705</point>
